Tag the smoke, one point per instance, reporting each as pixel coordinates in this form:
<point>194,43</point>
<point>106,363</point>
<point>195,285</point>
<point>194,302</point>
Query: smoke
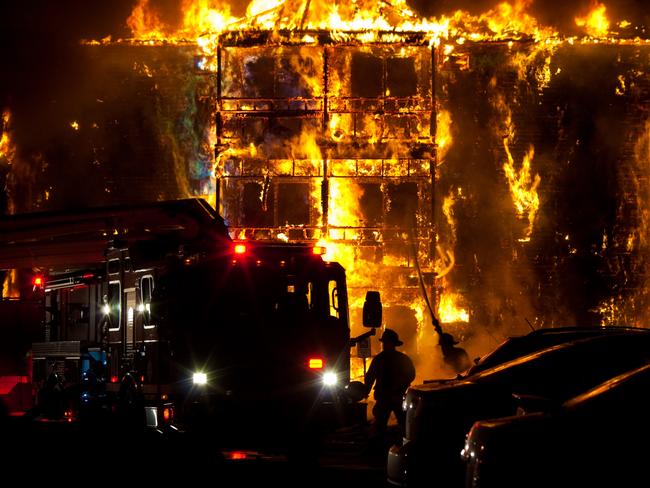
<point>93,125</point>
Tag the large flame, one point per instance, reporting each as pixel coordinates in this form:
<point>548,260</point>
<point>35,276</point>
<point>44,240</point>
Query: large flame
<point>449,310</point>
<point>595,23</point>
<point>523,187</point>
<point>200,17</point>
<point>204,19</point>
<point>345,210</point>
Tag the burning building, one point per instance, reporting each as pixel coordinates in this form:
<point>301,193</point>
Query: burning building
<point>487,161</point>
<point>332,140</point>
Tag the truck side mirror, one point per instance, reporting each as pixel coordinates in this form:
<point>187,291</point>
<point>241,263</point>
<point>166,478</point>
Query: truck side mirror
<point>372,310</point>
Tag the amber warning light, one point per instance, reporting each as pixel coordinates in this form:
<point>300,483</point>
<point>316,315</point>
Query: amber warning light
<point>319,250</point>
<point>315,363</point>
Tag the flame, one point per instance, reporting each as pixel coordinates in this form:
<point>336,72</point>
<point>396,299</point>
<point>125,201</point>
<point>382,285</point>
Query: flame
<point>621,88</point>
<point>447,210</point>
<point>10,285</point>
<point>344,208</point>
<point>595,23</point>
<point>203,16</point>
<point>363,20</point>
<point>508,19</point>
<point>144,22</point>
<point>449,311</point>
<point>444,138</point>
<point>523,187</point>
<point>6,147</point>
<point>259,7</point>
<point>305,146</point>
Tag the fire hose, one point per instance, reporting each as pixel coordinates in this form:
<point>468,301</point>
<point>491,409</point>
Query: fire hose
<point>434,320</point>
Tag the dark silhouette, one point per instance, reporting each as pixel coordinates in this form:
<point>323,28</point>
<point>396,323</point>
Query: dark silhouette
<point>391,372</point>
<point>130,404</point>
<point>51,397</point>
<point>455,357</point>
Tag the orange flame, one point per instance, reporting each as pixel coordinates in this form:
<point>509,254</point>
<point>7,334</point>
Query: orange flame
<point>523,187</point>
<point>204,19</point>
<point>595,23</point>
<point>449,311</point>
<point>6,147</point>
<point>444,138</point>
<point>144,22</point>
<point>10,285</point>
<point>344,207</point>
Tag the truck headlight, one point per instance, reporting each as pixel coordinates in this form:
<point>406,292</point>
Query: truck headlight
<point>199,378</point>
<point>330,378</point>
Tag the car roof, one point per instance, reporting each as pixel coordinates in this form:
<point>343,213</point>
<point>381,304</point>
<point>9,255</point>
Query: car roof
<point>638,378</point>
<point>587,345</point>
<point>599,356</point>
<point>539,339</point>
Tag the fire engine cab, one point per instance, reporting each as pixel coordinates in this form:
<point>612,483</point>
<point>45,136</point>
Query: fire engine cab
<point>152,312</point>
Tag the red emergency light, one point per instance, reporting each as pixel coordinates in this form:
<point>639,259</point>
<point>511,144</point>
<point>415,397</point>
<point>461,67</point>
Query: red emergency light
<point>237,455</point>
<point>316,363</point>
<point>38,281</point>
<point>240,248</point>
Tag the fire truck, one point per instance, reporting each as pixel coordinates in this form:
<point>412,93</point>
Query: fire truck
<point>153,313</point>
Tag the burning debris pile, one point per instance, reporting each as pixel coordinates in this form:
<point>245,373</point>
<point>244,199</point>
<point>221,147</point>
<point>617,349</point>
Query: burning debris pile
<point>488,159</point>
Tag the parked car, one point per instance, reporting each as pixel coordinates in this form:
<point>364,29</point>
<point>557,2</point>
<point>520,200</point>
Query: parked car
<point>599,435</point>
<point>439,414</point>
<point>517,346</point>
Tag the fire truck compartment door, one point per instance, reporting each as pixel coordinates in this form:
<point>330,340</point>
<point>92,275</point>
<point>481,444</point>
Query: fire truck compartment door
<point>129,300</point>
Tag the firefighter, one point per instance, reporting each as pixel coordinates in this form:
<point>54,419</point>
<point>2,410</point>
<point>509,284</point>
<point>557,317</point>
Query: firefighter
<point>391,372</point>
<point>454,357</point>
